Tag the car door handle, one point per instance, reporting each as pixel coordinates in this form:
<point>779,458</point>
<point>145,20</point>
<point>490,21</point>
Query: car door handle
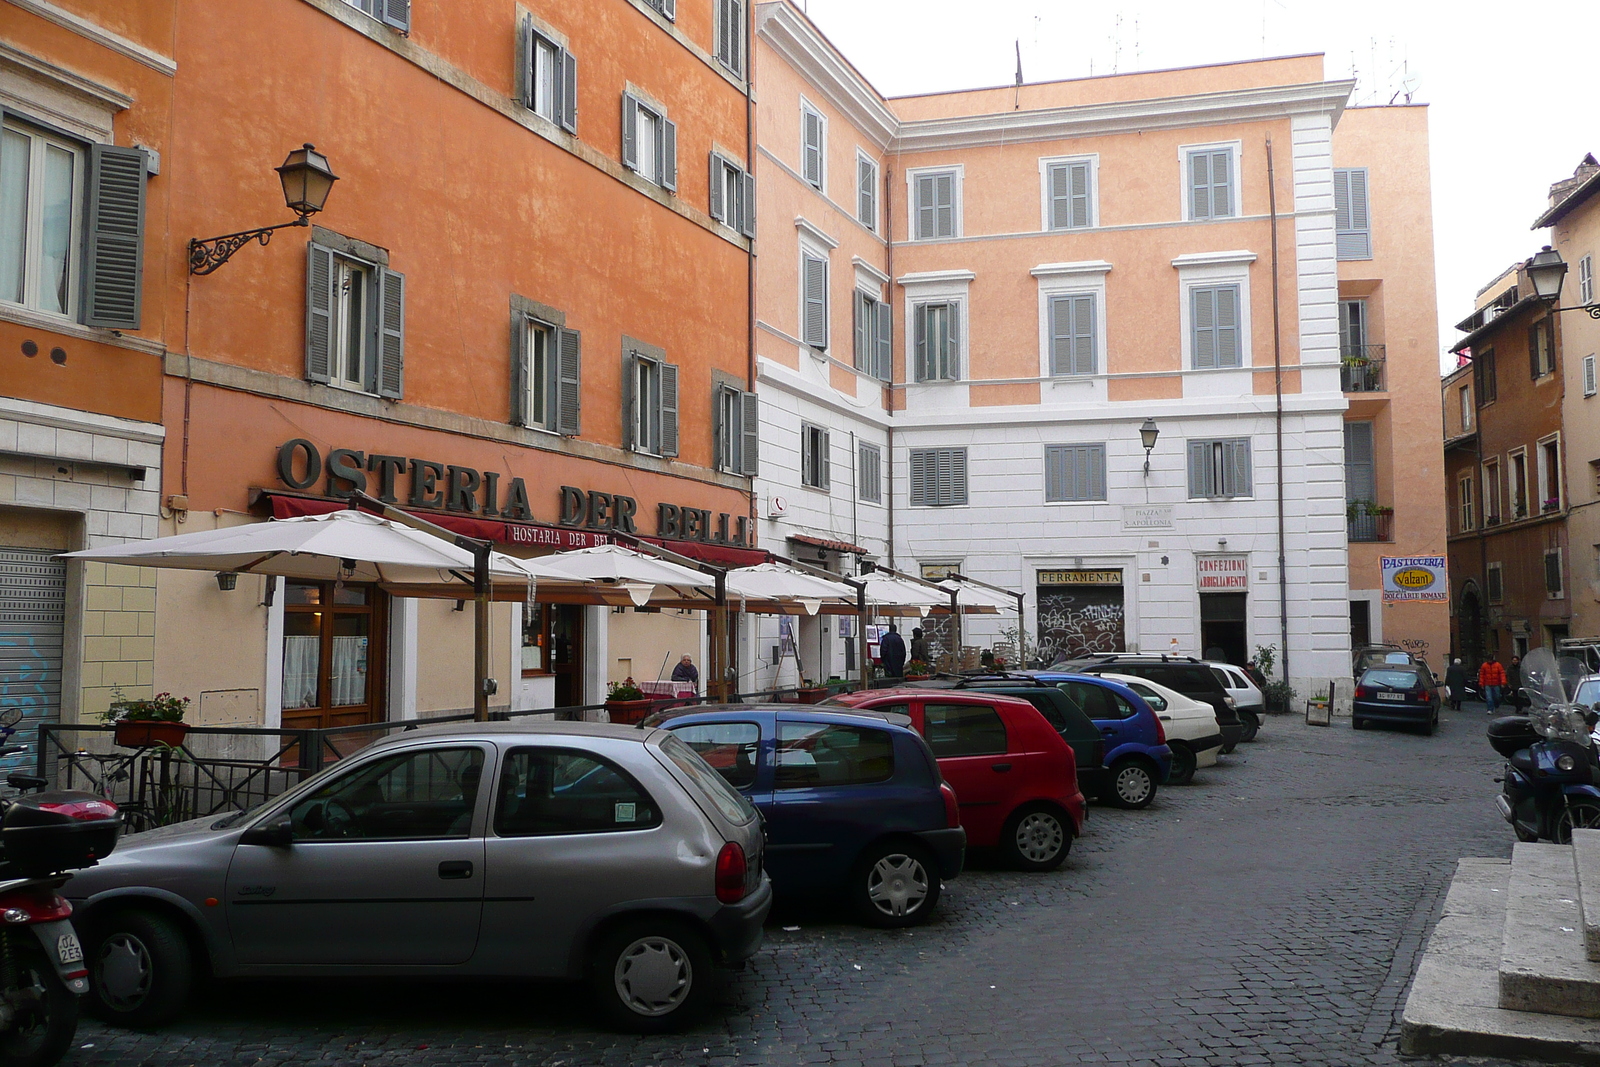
<point>455,869</point>
<point>1000,767</point>
<point>1107,731</point>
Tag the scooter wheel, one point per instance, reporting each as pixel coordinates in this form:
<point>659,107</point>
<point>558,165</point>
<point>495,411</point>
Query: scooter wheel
<point>43,1031</point>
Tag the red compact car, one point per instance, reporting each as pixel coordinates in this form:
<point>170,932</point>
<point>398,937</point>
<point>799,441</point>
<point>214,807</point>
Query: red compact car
<point>1014,776</point>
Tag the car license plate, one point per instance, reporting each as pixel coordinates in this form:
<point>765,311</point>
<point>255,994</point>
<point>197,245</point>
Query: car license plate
<point>68,948</point>
<point>1391,696</point>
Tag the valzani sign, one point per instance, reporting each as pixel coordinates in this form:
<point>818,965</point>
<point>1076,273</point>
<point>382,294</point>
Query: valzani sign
<point>426,484</point>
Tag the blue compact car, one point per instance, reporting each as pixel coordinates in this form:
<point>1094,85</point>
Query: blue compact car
<point>1136,751</point>
<point>853,802</point>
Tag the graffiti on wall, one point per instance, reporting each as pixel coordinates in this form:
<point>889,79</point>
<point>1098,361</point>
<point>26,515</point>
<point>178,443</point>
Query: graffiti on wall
<point>1076,622</point>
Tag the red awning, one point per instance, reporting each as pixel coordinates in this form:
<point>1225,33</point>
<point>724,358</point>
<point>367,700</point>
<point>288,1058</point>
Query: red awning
<point>718,554</point>
<point>831,546</point>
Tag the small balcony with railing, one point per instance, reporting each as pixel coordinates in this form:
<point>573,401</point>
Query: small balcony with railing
<point>1367,521</point>
<point>1362,368</point>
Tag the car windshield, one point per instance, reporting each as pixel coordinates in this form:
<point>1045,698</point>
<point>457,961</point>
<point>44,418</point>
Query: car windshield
<point>1588,692</point>
<point>1392,678</point>
<point>734,807</point>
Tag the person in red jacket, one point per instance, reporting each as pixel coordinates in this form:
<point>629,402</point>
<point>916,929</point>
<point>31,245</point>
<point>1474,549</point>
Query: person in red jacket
<point>1491,678</point>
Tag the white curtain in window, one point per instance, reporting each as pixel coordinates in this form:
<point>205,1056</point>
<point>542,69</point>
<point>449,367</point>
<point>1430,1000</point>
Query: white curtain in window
<point>300,671</point>
<point>349,671</point>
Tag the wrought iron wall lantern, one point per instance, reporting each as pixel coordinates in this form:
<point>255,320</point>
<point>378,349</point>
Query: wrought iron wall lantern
<point>1546,270</point>
<point>306,179</point>
<point>1147,436</point>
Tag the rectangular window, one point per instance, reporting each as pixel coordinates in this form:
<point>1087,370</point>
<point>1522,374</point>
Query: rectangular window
<point>732,195</point>
<point>1464,518</point>
<point>1550,475</point>
<point>1494,579</point>
<point>937,341</point>
<point>550,75</point>
<point>1552,574</point>
<point>1072,336</point>
<point>1352,328</point>
<point>1541,348</point>
<point>814,300</point>
<point>540,380</point>
<point>545,375</point>
<point>649,143</point>
<point>736,420</point>
<point>813,145</point>
<point>1464,394</point>
<point>1483,376</point>
<point>547,791</point>
<point>867,192</point>
<point>730,35</point>
<point>810,755</point>
<point>869,474</point>
<point>938,477</point>
<point>394,13</point>
<point>1074,472</point>
<point>1589,384</point>
<point>816,459</point>
<point>651,396</point>
<point>956,730</point>
<point>1220,468</point>
<point>1214,326</point>
<point>1211,184</point>
<point>1360,476</point>
<point>1586,280</point>
<point>669,8</point>
<point>1519,485</point>
<point>1069,190</point>
<point>1491,493</point>
<point>355,323</point>
<point>1352,219</point>
<point>936,205</point>
<point>873,336</point>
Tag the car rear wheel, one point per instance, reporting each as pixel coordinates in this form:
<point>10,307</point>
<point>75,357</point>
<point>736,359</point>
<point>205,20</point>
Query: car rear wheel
<point>1037,837</point>
<point>140,969</point>
<point>1357,723</point>
<point>1251,723</point>
<point>894,884</point>
<point>1183,763</point>
<point>651,975</point>
<point>1133,783</point>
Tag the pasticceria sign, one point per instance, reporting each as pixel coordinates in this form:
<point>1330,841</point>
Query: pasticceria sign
<point>425,483</point>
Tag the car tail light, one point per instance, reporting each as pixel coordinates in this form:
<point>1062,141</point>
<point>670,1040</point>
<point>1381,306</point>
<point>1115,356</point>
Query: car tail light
<point>1363,692</point>
<point>952,809</point>
<point>731,871</point>
<point>1161,732</point>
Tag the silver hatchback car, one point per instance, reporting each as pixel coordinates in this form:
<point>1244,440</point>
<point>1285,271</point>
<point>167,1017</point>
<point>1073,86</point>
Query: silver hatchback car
<point>583,851</point>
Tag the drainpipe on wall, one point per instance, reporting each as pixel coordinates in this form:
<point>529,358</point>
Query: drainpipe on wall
<point>1277,380</point>
<point>888,391</point>
<point>732,652</point>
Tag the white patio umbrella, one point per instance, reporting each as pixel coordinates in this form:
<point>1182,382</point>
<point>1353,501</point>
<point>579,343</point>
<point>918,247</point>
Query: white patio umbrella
<point>636,572</point>
<point>779,583</point>
<point>887,591</point>
<point>976,596</point>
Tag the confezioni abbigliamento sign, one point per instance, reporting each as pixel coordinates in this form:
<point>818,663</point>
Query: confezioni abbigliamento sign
<point>1222,573</point>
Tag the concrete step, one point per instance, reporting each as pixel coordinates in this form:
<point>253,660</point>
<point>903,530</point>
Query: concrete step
<point>1454,1006</point>
<point>1586,856</point>
<point>1544,966</point>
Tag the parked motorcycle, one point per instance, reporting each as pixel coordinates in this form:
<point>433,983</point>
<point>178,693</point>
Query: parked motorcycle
<point>43,836</point>
<point>1552,777</point>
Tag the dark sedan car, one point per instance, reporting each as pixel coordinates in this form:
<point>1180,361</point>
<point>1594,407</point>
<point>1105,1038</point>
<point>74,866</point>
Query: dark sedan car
<point>1399,693</point>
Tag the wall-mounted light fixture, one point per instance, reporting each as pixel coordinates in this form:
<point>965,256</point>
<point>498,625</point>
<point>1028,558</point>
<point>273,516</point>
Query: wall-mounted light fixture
<point>227,581</point>
<point>1147,435</point>
<point>306,179</point>
<point>1546,271</point>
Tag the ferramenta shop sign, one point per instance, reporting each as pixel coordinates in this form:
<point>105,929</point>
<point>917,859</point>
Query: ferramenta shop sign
<point>426,484</point>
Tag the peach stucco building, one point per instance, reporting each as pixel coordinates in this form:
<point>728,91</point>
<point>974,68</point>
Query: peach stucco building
<point>970,303</point>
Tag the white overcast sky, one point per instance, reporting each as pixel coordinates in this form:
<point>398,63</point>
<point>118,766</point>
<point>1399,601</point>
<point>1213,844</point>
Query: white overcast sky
<point>1514,91</point>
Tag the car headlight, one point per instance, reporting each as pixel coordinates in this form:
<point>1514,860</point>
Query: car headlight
<point>1566,763</point>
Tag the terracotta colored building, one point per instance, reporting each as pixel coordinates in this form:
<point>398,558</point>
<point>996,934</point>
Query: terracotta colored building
<point>525,308</point>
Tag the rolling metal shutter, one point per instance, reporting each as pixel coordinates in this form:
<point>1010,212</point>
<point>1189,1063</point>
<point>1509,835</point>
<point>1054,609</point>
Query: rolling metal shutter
<point>33,600</point>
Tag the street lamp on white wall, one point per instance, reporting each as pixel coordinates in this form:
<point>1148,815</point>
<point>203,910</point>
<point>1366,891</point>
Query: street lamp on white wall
<point>1148,434</point>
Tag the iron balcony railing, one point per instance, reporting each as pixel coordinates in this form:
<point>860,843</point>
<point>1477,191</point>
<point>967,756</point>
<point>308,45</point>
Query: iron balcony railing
<point>1379,527</point>
<point>1362,368</point>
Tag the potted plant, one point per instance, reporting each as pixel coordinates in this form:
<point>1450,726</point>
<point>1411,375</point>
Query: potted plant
<point>1553,504</point>
<point>626,702</point>
<point>812,693</point>
<point>143,722</point>
<point>918,671</point>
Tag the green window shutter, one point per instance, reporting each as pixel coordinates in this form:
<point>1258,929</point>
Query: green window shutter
<point>391,333</point>
<point>569,91</point>
<point>519,369</point>
<point>816,302</point>
<point>750,417</point>
<point>114,238</point>
<point>1533,351</point>
<point>883,366</point>
<point>630,132</point>
<point>319,313</point>
<point>569,382</point>
<point>1227,329</point>
<point>669,409</point>
<point>630,400</point>
<point>669,154</point>
<point>1200,469</point>
<point>747,205</point>
<point>718,209</point>
<point>396,13</point>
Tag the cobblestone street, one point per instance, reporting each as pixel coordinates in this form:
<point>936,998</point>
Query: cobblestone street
<point>1270,913</point>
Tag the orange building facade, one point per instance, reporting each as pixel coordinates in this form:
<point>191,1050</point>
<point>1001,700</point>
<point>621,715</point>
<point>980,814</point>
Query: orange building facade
<point>524,309</point>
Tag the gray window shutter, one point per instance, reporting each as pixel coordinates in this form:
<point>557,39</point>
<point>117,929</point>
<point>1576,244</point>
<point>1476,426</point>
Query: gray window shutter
<point>569,91</point>
<point>669,8</point>
<point>945,197</point>
<point>391,333</point>
<point>397,13</point>
<point>1096,456</point>
<point>958,475</point>
<point>1352,330</point>
<point>926,208</point>
<point>319,313</point>
<point>883,367</point>
<point>1060,197</point>
<point>1203,327</point>
<point>1055,457</point>
<point>867,194</point>
<point>747,205</point>
<point>1199,185</point>
<point>805,454</point>
<point>669,409</point>
<point>952,325</point>
<point>816,300</point>
<point>919,318</point>
<point>1060,334</point>
<point>1360,482</point>
<point>630,132</point>
<point>1237,463</point>
<point>669,154</point>
<point>750,416</point>
<point>630,400</point>
<point>1227,298</point>
<point>811,147</point>
<point>866,327</point>
<point>1200,469</point>
<point>824,460</point>
<point>721,432</point>
<point>1352,219</point>
<point>114,238</point>
<point>1079,193</point>
<point>719,210</point>
<point>525,63</point>
<point>569,382</point>
<point>1221,184</point>
<point>1083,335</point>
<point>919,476</point>
<point>519,369</point>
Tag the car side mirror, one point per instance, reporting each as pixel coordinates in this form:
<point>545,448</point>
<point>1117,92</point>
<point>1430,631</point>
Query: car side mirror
<point>278,834</point>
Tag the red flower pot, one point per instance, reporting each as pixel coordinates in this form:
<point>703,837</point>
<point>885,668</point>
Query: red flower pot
<point>138,733</point>
<point>628,712</point>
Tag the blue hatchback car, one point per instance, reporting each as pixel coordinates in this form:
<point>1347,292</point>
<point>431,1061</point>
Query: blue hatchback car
<point>1136,751</point>
<point>853,802</point>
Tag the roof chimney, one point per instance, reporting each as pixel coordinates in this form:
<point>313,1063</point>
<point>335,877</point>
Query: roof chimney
<point>1562,189</point>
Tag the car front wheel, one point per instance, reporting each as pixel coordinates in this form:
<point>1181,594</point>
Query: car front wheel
<point>651,975</point>
<point>1037,837</point>
<point>1183,763</point>
<point>1133,783</point>
<point>894,884</point>
<point>140,969</point>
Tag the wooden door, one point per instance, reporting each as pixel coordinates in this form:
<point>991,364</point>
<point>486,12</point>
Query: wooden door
<point>334,640</point>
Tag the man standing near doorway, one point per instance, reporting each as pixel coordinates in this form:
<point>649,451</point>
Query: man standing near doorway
<point>1491,679</point>
<point>892,653</point>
